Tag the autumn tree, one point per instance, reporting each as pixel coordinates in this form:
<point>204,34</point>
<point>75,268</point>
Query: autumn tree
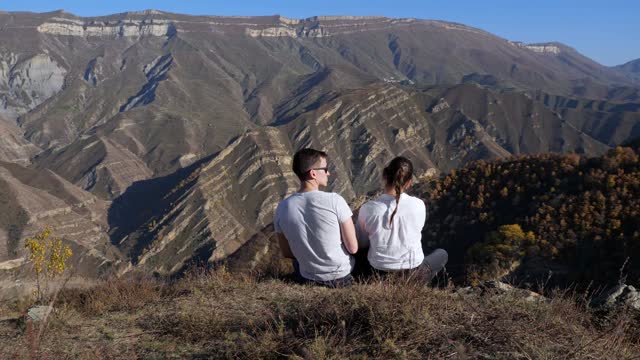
<point>49,258</point>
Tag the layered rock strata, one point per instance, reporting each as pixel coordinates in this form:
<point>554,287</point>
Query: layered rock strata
<point>223,202</point>
<point>38,199</point>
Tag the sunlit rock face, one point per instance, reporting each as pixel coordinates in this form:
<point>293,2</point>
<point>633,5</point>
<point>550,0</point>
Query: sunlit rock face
<point>120,28</point>
<point>27,82</point>
<point>540,48</point>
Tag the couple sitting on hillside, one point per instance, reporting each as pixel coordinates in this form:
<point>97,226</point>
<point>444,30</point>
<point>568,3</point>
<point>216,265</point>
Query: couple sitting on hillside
<point>315,228</point>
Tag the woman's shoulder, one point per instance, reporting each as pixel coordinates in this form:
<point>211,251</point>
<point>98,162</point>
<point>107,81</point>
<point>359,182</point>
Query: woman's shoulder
<point>373,204</point>
<point>415,200</point>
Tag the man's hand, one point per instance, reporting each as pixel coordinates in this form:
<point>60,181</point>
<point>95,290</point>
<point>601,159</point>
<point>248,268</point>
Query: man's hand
<point>284,246</point>
<point>349,239</point>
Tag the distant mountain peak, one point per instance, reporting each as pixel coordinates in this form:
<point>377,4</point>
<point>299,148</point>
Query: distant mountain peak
<point>146,12</point>
<point>632,66</point>
<point>59,12</point>
<point>631,69</point>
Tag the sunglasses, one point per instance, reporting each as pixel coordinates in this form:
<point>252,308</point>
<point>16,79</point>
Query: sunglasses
<point>326,169</point>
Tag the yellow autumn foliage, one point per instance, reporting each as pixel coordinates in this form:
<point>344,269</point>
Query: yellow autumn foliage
<point>49,257</point>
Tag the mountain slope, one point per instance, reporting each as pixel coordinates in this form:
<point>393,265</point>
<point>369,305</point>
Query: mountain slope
<point>221,203</point>
<point>13,146</point>
<point>30,201</point>
<point>631,69</point>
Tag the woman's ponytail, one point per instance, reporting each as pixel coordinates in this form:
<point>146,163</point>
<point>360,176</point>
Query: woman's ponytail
<point>396,175</point>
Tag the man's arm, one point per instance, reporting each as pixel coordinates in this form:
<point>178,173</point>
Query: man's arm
<point>349,239</point>
<point>284,246</point>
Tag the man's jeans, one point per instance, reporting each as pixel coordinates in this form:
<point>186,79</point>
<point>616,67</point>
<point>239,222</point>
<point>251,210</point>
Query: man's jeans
<point>336,283</point>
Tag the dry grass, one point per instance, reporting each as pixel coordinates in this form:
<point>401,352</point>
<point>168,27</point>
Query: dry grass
<point>219,315</point>
<point>124,294</point>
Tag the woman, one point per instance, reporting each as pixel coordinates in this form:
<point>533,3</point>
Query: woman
<point>392,225</point>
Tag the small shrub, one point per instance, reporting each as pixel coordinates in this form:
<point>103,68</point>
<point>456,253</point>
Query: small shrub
<point>49,257</point>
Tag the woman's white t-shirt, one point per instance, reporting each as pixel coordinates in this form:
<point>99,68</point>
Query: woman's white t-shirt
<point>397,246</point>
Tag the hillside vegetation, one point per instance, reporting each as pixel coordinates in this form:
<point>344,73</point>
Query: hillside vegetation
<point>578,217</point>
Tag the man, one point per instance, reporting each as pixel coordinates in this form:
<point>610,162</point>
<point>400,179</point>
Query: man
<point>314,227</point>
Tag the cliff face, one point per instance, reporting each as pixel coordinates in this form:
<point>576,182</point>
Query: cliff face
<point>96,164</point>
<point>27,82</point>
<point>126,28</point>
<point>144,79</point>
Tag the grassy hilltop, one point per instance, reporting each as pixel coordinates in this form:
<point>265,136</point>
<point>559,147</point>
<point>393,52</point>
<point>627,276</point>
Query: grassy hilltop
<point>219,315</point>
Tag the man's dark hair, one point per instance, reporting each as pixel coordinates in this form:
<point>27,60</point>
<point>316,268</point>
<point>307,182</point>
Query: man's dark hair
<point>304,160</point>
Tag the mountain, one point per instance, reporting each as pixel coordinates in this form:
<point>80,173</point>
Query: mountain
<point>233,195</point>
<point>181,127</point>
<point>141,80</point>
<point>33,199</point>
<point>631,69</point>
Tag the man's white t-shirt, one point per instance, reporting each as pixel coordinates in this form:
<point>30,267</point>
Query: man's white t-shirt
<point>397,246</point>
<point>311,223</point>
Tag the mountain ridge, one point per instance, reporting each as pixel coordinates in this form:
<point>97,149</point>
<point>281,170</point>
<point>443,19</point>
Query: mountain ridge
<point>630,68</point>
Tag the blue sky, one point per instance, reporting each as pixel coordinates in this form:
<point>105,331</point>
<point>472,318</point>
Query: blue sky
<point>609,34</point>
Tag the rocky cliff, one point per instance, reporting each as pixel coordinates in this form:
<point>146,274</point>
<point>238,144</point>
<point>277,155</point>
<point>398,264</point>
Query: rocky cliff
<point>27,81</point>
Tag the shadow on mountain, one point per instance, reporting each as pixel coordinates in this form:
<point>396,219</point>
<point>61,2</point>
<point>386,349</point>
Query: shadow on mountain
<point>198,262</point>
<point>481,79</point>
<point>143,201</point>
<point>13,218</point>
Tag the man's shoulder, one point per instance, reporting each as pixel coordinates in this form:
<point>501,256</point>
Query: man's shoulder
<point>287,198</point>
<point>325,196</point>
<point>310,196</point>
<point>286,201</point>
<point>335,195</point>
